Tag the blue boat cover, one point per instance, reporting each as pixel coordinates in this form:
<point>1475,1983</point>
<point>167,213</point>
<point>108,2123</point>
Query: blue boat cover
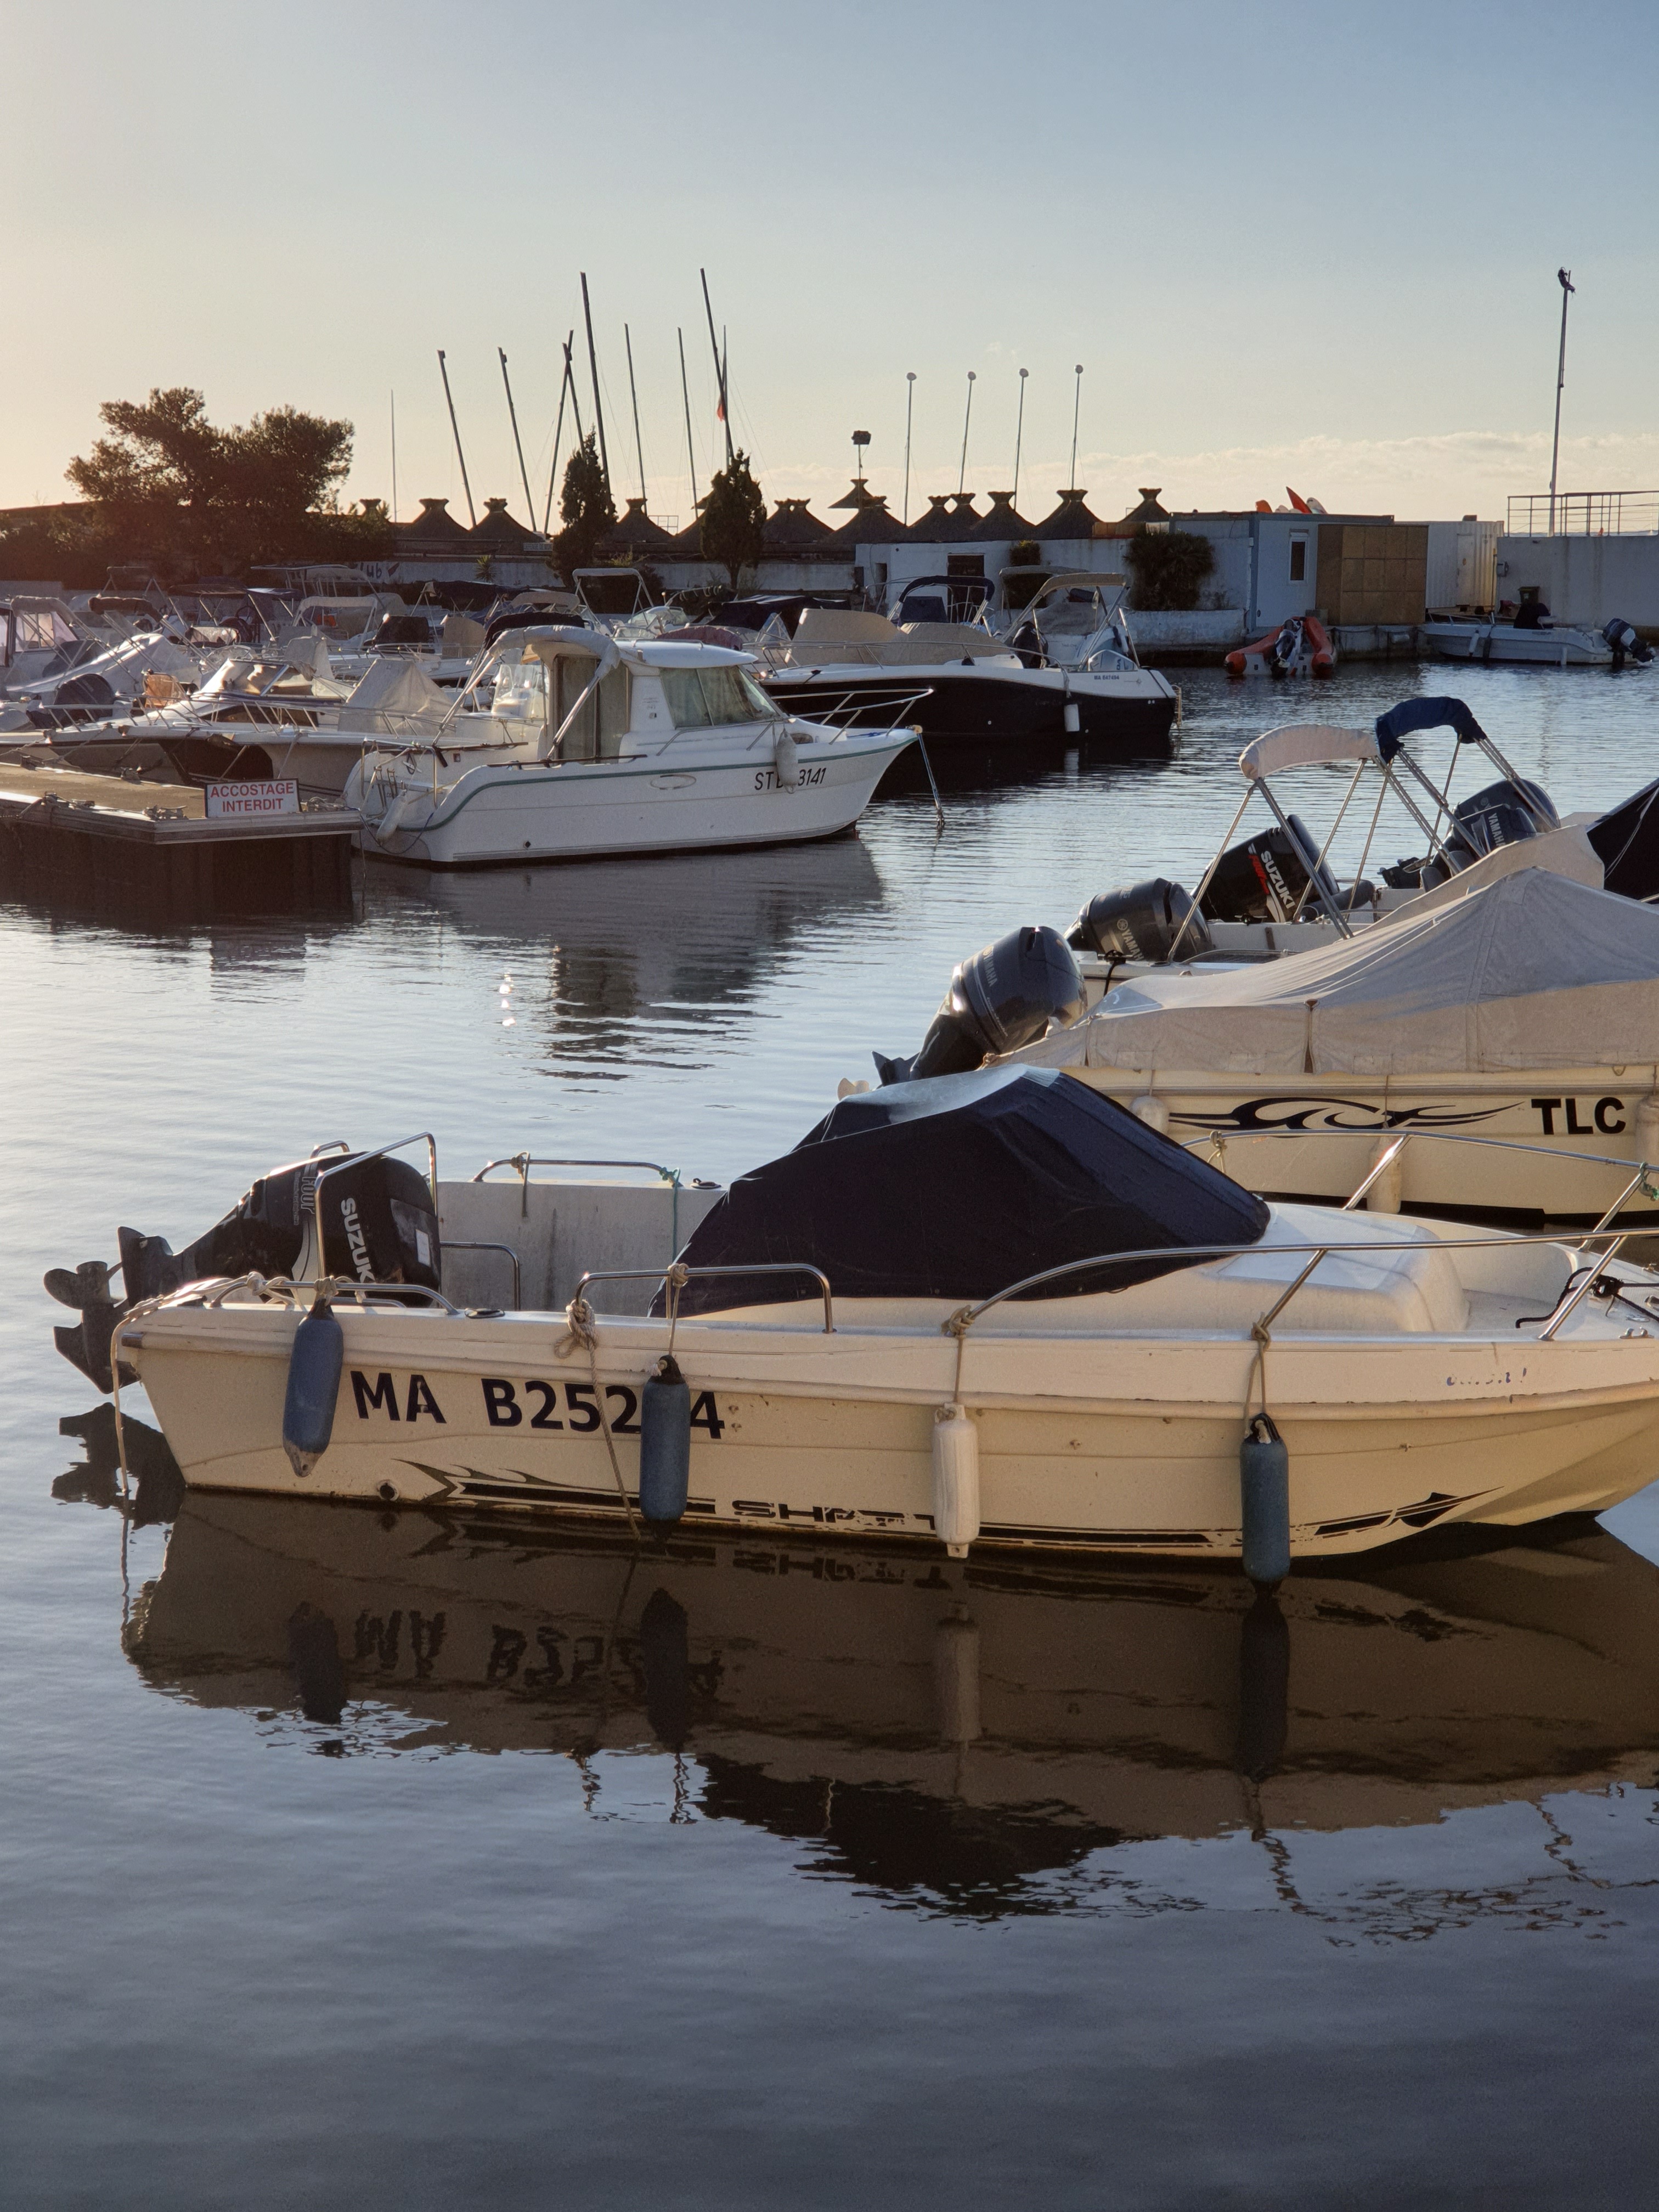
<point>956,1186</point>
<point>1398,724</point>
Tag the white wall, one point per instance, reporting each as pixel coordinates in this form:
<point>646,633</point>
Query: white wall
<point>1585,580</point>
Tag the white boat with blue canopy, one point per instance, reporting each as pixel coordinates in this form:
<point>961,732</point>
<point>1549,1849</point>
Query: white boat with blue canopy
<point>1286,889</point>
<point>988,1310</point>
<point>570,744</point>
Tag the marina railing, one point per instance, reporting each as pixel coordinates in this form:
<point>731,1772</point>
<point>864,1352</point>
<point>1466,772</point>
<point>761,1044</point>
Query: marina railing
<point>1584,514</point>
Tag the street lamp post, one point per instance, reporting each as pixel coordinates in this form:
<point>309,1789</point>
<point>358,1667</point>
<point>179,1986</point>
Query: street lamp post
<point>909,401</point>
<point>1077,404</point>
<point>1019,433</point>
<point>1563,277</point>
<point>962,474</point>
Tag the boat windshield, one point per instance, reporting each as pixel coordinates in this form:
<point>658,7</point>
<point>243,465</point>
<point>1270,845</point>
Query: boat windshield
<point>519,691</point>
<point>707,698</point>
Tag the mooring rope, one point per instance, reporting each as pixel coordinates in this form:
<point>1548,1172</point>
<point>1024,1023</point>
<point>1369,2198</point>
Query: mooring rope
<point>579,1318</point>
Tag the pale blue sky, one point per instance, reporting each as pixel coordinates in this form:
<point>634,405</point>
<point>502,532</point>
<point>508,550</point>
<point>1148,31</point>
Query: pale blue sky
<point>1312,244</point>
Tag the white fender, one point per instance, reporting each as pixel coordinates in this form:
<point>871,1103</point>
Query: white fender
<point>1153,1111</point>
<point>392,821</point>
<point>956,1479</point>
<point>783,757</point>
<point>1383,1196</point>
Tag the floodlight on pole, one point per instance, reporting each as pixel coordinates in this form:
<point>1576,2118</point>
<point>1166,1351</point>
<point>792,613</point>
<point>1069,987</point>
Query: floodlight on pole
<point>1563,279</point>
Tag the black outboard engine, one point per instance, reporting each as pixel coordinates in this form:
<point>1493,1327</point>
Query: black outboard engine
<point>1627,643</point>
<point>1504,813</point>
<point>1006,996</point>
<point>1264,878</point>
<point>378,1226</point>
<point>1142,922</point>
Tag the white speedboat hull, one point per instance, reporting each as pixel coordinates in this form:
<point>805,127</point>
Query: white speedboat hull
<point>544,810</point>
<point>1407,1397</point>
<point>1502,641</point>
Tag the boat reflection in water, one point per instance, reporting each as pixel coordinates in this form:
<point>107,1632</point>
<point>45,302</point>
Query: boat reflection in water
<point>613,942</point>
<point>959,1737</point>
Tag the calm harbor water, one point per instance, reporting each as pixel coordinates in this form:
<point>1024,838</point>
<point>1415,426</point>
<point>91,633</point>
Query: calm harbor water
<point>394,1860</point>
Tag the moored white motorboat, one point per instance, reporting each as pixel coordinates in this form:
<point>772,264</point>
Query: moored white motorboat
<point>1540,644</point>
<point>1287,889</point>
<point>959,683</point>
<point>902,1386</point>
<point>1526,1012</point>
<point>614,746</point>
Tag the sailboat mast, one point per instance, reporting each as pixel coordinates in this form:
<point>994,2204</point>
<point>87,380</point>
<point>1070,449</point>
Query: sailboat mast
<point>558,431</point>
<point>690,452</point>
<point>512,414</point>
<point>593,368</point>
<point>471,515</point>
<point>633,399</point>
<point>720,365</point>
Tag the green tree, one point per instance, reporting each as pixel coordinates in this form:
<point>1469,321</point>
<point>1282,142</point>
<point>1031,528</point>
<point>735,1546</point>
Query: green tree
<point>734,516</point>
<point>1168,567</point>
<point>585,508</point>
<point>169,481</point>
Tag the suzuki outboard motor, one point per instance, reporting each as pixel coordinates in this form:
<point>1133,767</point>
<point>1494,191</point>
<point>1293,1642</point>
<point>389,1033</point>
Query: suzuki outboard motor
<point>1142,922</point>
<point>1626,643</point>
<point>1264,878</point>
<point>378,1226</point>
<point>1006,996</point>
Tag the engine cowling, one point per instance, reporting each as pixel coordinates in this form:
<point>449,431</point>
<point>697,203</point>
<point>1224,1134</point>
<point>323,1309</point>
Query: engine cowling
<point>1627,643</point>
<point>1006,995</point>
<point>1141,922</point>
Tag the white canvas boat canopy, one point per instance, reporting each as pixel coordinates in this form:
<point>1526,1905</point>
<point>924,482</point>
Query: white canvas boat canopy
<point>392,695</point>
<point>838,636</point>
<point>1305,745</point>
<point>1533,971</point>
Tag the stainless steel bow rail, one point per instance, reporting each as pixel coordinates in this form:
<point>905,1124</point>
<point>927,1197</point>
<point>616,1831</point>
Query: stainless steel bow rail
<point>524,1161</point>
<point>965,1316</point>
<point>1642,1181</point>
<point>690,1274</point>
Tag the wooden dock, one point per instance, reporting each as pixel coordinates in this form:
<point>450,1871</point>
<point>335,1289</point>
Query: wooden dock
<point>67,833</point>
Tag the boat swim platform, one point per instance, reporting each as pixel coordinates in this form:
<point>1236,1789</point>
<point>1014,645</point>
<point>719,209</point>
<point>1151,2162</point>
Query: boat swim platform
<point>69,833</point>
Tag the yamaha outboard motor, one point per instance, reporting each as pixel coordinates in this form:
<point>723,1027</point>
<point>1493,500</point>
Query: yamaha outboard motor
<point>1006,996</point>
<point>1626,644</point>
<point>1142,922</point>
<point>1504,813</point>
<point>378,1226</point>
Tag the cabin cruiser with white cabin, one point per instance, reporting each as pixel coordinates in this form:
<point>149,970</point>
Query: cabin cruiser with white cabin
<point>960,684</point>
<point>570,744</point>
